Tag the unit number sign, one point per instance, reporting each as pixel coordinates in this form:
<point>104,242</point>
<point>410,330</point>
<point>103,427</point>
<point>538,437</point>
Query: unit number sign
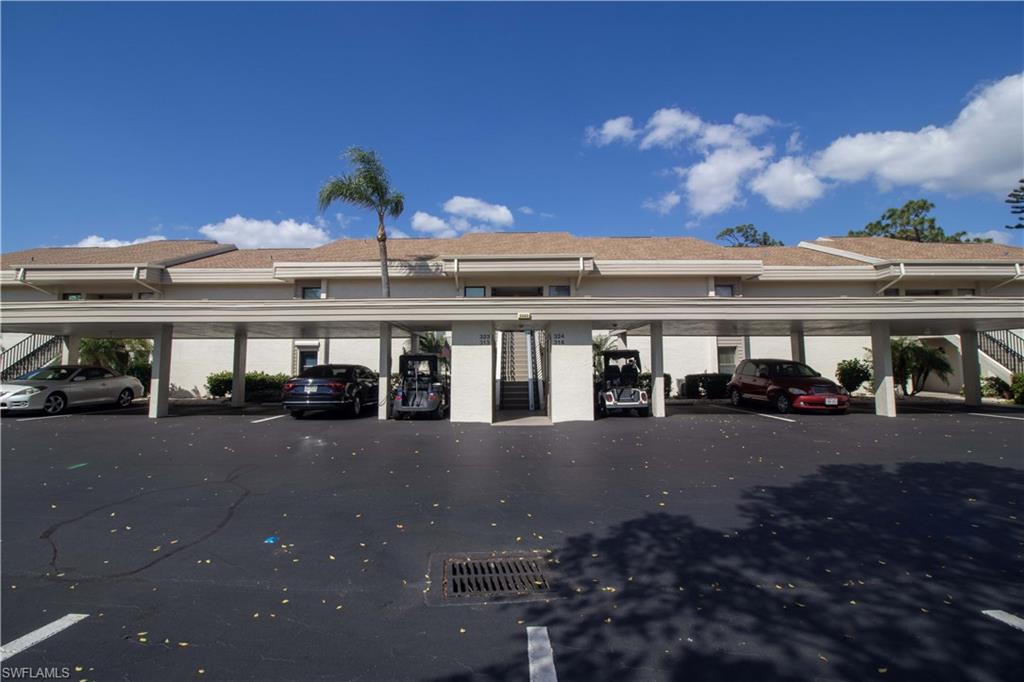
<point>485,339</point>
<point>558,339</point>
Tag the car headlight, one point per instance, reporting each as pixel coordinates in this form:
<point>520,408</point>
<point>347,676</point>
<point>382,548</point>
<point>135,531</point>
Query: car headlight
<point>797,391</point>
<point>32,390</point>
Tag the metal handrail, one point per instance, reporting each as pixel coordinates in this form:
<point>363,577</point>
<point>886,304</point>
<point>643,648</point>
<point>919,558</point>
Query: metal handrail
<point>29,354</point>
<point>1005,347</point>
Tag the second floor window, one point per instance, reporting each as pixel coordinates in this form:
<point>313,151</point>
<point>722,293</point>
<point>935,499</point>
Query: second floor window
<point>72,297</point>
<point>475,292</point>
<point>310,292</point>
<point>725,290</point>
<point>559,290</point>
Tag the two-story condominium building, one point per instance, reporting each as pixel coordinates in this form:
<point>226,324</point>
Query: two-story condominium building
<point>688,305</point>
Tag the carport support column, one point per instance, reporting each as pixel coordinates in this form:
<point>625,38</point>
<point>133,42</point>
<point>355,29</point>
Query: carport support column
<point>657,370</point>
<point>797,348</point>
<point>881,355</point>
<point>160,379</point>
<point>472,382</point>
<point>572,371</point>
<point>384,371</point>
<point>69,351</point>
<point>971,367</point>
<point>238,369</point>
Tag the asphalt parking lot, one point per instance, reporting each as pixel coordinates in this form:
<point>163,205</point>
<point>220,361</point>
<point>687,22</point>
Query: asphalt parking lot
<point>714,544</point>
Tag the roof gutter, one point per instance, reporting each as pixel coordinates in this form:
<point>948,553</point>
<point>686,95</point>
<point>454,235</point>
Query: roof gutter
<point>1017,276</point>
<point>903,273</point>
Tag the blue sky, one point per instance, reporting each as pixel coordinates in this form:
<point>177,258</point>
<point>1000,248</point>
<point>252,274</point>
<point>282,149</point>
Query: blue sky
<point>129,121</point>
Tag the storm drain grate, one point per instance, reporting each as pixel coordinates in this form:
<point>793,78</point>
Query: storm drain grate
<point>494,577</point>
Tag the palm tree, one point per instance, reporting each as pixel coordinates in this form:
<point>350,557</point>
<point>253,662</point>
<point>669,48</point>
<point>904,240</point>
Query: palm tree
<point>599,344</point>
<point>367,186</point>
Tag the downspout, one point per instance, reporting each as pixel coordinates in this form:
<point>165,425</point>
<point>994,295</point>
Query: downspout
<point>1016,267</point>
<point>457,275</point>
<point>21,278</point>
<point>138,280</point>
<point>579,277</point>
<point>903,272</point>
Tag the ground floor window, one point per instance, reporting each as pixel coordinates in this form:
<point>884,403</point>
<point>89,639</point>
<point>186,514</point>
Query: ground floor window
<point>727,359</point>
<point>307,359</point>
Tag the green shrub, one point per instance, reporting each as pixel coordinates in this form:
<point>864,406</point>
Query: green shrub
<point>258,385</point>
<point>994,387</point>
<point>143,371</point>
<point>713,386</point>
<point>644,382</point>
<point>1017,388</point>
<point>852,373</point>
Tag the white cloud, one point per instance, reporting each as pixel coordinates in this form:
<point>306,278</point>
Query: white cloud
<point>982,150</point>
<point>754,125</point>
<point>788,184</point>
<point>668,127</point>
<point>794,143</point>
<point>395,233</point>
<point>612,130</point>
<point>663,204</point>
<point>96,240</point>
<point>470,208</point>
<point>249,233</point>
<point>526,210</point>
<point>432,225</point>
<point>547,215</point>
<point>1008,237</point>
<point>713,185</point>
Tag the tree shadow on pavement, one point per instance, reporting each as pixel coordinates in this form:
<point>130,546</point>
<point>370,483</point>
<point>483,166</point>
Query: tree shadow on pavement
<point>854,573</point>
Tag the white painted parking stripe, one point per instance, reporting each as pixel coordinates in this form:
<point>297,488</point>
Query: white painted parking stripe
<point>542,659</point>
<point>1004,617</point>
<point>760,414</point>
<point>37,636</point>
<point>267,419</point>
<point>996,416</point>
<point>52,416</point>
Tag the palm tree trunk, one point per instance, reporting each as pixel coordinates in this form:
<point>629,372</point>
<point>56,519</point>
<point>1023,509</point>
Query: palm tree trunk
<point>382,243</point>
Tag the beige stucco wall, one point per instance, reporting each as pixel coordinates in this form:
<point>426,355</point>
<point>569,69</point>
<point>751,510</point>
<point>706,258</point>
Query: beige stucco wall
<point>472,368</point>
<point>572,372</point>
<point>643,286</point>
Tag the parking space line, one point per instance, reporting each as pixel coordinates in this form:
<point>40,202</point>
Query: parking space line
<point>37,636</point>
<point>52,416</point>
<point>542,659</point>
<point>996,416</point>
<point>267,419</point>
<point>760,414</point>
<point>1004,617</point>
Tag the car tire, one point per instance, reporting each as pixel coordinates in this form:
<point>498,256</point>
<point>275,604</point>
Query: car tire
<point>735,398</point>
<point>644,412</point>
<point>438,413</point>
<point>125,398</point>
<point>55,403</point>
<point>783,403</point>
<point>297,414</point>
<point>356,408</point>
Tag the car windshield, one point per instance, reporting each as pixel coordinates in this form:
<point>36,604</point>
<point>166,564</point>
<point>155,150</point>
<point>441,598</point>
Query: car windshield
<point>48,374</point>
<point>327,372</point>
<point>794,369</point>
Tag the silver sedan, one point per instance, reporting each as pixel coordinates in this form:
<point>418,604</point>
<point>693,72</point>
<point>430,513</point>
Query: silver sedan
<point>54,389</point>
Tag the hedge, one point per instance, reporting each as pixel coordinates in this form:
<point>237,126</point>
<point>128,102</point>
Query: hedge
<point>644,382</point>
<point>258,385</point>
<point>1017,388</point>
<point>715,385</point>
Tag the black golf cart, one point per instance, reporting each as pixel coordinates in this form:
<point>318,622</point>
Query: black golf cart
<point>422,387</point>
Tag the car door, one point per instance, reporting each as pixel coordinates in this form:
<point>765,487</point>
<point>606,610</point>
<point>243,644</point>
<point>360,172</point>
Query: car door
<point>759,381</point>
<point>84,386</point>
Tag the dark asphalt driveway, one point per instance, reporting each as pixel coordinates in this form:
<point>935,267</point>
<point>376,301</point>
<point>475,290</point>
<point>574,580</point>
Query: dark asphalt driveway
<point>711,545</point>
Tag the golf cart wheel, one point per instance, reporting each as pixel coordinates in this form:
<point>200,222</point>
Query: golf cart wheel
<point>297,414</point>
<point>782,403</point>
<point>125,398</point>
<point>55,403</point>
<point>735,398</point>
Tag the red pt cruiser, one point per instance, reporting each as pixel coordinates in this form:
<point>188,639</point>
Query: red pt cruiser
<point>786,384</point>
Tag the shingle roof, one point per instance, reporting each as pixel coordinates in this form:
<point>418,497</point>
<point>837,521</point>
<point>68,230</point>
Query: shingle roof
<point>561,243</point>
<point>897,249</point>
<point>146,253</point>
<point>247,258</point>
